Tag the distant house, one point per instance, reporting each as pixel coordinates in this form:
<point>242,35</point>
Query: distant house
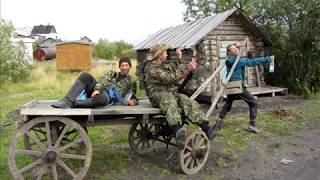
<point>27,43</point>
<point>24,32</point>
<point>48,43</point>
<point>24,36</point>
<point>44,31</point>
<point>85,39</point>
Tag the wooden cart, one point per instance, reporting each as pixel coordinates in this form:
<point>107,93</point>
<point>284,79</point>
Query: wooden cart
<point>52,140</point>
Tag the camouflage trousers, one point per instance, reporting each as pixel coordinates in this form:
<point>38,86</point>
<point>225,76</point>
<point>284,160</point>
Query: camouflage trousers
<point>173,105</point>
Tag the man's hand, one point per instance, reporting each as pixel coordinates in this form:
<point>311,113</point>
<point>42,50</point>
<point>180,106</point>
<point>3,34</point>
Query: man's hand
<point>192,65</point>
<point>272,58</point>
<point>132,102</point>
<point>95,92</point>
<point>179,53</point>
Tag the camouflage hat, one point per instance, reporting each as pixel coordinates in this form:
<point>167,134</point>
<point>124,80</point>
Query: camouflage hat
<point>157,49</point>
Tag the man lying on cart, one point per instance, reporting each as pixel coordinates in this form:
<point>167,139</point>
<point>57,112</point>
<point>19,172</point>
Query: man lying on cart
<point>112,88</point>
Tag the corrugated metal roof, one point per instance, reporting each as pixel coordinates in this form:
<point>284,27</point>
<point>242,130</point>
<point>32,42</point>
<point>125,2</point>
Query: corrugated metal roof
<point>186,35</point>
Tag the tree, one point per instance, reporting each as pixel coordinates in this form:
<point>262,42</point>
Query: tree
<point>12,64</point>
<point>198,9</point>
<point>293,26</point>
<point>112,50</point>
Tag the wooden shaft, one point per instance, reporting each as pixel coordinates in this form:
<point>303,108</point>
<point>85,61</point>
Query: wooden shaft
<point>207,81</point>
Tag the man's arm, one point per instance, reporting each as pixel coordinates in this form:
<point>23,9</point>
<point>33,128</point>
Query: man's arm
<point>163,76</point>
<point>134,100</point>
<point>255,61</point>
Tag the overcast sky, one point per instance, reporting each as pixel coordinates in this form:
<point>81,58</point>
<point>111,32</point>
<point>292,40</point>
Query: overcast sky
<point>129,20</point>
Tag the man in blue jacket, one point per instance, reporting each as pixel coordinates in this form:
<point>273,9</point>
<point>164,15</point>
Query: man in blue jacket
<point>239,75</point>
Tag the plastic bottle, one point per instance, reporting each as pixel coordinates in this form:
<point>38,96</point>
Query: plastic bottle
<point>271,67</point>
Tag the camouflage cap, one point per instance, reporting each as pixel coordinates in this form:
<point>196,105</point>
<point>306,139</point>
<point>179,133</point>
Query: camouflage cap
<point>157,49</point>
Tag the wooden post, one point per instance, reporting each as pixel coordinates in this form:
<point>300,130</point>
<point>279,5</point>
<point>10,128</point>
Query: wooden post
<point>257,72</point>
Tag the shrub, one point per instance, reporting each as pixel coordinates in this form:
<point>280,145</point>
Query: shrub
<point>12,64</point>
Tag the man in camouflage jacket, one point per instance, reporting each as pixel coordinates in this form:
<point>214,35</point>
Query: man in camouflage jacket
<point>161,81</point>
<point>98,93</point>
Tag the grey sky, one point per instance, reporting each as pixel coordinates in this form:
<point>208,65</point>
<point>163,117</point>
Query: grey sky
<point>129,20</point>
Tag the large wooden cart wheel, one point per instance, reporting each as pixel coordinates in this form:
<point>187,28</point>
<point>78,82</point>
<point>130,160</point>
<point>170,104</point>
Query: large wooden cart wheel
<point>48,157</point>
<point>141,138</point>
<point>195,154</point>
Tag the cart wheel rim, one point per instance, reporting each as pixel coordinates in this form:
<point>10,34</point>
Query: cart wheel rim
<point>141,138</point>
<point>50,154</point>
<point>195,154</point>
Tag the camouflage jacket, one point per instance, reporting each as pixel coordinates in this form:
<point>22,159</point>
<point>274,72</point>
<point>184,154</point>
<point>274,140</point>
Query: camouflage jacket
<point>124,84</point>
<point>163,77</point>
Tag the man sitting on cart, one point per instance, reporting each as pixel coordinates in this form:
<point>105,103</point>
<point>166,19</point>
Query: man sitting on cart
<point>161,81</point>
<point>113,87</point>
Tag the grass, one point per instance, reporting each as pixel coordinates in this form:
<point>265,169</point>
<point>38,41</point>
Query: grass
<point>108,161</point>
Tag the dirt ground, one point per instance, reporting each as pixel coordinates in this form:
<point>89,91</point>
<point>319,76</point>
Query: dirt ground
<point>259,161</point>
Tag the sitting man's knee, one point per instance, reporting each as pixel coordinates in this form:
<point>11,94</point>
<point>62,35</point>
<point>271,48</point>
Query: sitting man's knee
<point>86,77</point>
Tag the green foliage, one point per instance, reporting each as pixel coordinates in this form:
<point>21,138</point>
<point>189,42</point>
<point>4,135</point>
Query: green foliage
<point>198,9</point>
<point>293,27</point>
<point>12,64</point>
<point>113,50</point>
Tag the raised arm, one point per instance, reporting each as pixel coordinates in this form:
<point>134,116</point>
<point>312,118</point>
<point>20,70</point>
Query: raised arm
<point>255,61</point>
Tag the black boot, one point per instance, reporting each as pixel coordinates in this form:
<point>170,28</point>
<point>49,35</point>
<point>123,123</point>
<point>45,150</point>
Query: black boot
<point>71,96</point>
<point>212,131</point>
<point>100,100</point>
<point>88,103</point>
<point>181,136</point>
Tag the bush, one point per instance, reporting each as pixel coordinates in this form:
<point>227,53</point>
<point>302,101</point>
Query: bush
<point>12,65</point>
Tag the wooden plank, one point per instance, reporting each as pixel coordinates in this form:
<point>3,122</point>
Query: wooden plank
<point>54,112</point>
<point>43,108</point>
<point>233,84</point>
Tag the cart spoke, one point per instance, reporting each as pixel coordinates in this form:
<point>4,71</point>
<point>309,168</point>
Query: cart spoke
<point>188,160</point>
<point>66,168</point>
<point>72,156</point>
<point>188,148</point>
<point>197,162</point>
<point>191,163</point>
<point>187,155</point>
<point>30,166</point>
<point>193,142</point>
<point>41,172</point>
<point>148,144</point>
<point>140,141</point>
<point>61,136</point>
<point>29,152</point>
<point>143,143</point>
<point>70,145</point>
<point>38,130</point>
<point>200,142</point>
<point>48,134</point>
<point>54,172</point>
<point>36,140</point>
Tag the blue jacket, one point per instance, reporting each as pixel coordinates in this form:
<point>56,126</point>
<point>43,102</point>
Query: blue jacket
<point>239,71</point>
